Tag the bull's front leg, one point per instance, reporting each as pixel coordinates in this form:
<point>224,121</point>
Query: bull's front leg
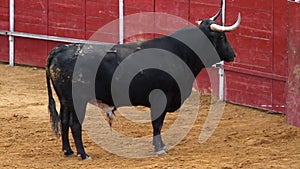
<point>157,122</point>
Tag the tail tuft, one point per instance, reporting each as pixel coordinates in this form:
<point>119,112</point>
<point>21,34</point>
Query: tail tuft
<point>54,117</point>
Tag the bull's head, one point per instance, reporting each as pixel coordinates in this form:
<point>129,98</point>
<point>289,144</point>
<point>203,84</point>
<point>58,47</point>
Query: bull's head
<point>216,34</point>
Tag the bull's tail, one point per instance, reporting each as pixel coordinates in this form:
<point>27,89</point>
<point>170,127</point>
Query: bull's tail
<point>54,117</point>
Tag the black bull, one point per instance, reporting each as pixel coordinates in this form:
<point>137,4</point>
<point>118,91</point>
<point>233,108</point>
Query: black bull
<point>82,73</point>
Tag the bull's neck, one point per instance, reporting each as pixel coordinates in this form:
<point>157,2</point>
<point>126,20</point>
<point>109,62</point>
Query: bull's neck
<point>196,49</point>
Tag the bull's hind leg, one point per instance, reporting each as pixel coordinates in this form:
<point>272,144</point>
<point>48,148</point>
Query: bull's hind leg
<point>65,124</point>
<point>76,128</point>
<point>157,123</point>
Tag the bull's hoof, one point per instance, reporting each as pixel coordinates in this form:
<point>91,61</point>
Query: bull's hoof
<point>69,153</point>
<point>87,158</point>
<point>161,152</point>
<point>84,157</point>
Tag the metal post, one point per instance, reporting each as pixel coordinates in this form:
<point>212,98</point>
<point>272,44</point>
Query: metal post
<point>11,29</point>
<point>223,12</point>
<point>221,69</point>
<point>121,21</point>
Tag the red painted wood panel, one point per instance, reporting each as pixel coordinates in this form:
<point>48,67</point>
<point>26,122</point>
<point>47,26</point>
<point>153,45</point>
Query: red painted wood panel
<point>105,1</point>
<point>138,25</point>
<point>265,5</point>
<point>99,14</point>
<point>74,7</point>
<point>293,87</point>
<point>253,39</point>
<point>179,8</point>
<point>4,49</point>
<point>60,20</point>
<point>31,16</point>
<point>202,9</point>
<point>175,7</point>
<point>252,53</point>
<point>66,32</point>
<point>30,21</point>
<point>4,3</point>
<point>280,38</point>
<point>67,18</point>
<point>248,90</point>
<point>4,14</point>
<point>30,52</point>
<point>131,6</point>
<point>40,5</point>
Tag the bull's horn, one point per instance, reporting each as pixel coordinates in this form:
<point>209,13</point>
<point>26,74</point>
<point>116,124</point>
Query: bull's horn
<point>219,28</point>
<point>216,16</point>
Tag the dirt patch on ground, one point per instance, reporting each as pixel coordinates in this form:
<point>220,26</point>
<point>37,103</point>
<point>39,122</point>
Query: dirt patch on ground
<point>245,137</point>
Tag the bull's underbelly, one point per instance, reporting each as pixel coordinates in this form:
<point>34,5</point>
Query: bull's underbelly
<point>137,92</point>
